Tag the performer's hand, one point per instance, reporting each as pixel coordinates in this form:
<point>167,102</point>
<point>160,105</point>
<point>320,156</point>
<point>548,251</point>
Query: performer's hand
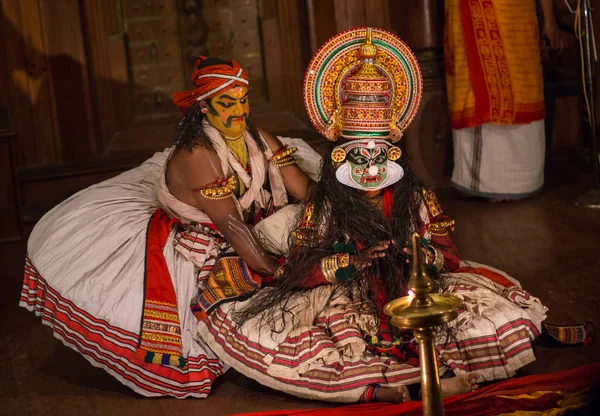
<point>555,37</point>
<point>366,259</point>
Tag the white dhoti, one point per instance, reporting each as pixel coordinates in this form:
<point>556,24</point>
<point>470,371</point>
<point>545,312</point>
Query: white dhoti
<point>499,161</point>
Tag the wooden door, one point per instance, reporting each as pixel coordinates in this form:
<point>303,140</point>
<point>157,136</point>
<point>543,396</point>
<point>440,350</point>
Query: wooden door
<point>102,84</point>
<point>160,39</point>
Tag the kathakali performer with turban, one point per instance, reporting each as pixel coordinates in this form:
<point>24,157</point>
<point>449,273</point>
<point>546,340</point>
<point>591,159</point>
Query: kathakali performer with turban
<point>319,332</point>
<point>114,269</point>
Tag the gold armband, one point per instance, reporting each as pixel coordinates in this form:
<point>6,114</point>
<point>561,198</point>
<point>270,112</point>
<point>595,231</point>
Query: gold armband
<point>432,202</point>
<point>303,233</point>
<point>220,189</point>
<point>441,228</point>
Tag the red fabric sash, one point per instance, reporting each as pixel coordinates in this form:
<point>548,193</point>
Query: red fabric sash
<point>160,338</point>
<point>490,274</point>
<point>486,401</point>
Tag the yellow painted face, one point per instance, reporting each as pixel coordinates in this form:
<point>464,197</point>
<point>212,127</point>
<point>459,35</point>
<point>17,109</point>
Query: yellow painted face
<point>228,112</point>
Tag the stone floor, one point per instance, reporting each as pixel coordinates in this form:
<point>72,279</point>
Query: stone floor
<point>548,244</point>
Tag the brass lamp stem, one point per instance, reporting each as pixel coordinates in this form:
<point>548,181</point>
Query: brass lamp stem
<point>431,392</point>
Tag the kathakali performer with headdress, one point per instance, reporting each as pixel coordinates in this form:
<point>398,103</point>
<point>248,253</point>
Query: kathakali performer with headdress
<point>113,269</point>
<point>320,331</point>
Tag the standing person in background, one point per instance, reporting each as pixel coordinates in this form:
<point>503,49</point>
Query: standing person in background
<point>496,94</point>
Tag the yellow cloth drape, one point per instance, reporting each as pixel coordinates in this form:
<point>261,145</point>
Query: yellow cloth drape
<point>240,150</point>
<point>493,62</point>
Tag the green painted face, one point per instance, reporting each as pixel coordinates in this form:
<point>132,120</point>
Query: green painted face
<point>368,167</point>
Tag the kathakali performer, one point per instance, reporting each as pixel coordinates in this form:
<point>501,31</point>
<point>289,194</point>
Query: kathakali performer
<point>319,332</point>
<point>113,269</point>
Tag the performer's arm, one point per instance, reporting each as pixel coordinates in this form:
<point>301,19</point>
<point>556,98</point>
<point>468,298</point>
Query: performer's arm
<point>443,245</point>
<point>442,252</point>
<point>296,181</point>
<point>327,271</point>
<point>316,278</point>
<point>200,171</point>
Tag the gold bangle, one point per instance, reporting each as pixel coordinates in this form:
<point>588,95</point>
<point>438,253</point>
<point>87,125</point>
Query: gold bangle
<point>283,160</point>
<point>438,259</point>
<point>329,266</point>
<point>284,154</point>
<point>343,260</point>
<point>279,273</point>
<point>286,162</point>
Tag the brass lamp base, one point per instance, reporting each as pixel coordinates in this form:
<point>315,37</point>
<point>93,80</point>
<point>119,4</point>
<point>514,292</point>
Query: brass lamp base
<point>441,311</point>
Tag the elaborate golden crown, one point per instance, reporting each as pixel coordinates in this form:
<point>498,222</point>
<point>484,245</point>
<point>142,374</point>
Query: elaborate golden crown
<point>363,84</point>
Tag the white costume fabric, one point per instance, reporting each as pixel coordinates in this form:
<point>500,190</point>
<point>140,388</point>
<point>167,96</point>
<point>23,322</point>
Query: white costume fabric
<point>500,161</point>
<point>85,273</point>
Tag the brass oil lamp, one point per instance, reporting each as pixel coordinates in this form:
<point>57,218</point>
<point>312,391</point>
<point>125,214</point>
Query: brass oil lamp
<point>423,312</point>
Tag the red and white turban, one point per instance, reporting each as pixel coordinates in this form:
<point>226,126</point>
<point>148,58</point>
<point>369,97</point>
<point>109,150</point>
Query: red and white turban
<point>211,77</point>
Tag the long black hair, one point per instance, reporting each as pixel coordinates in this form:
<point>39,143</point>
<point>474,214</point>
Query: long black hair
<point>341,213</point>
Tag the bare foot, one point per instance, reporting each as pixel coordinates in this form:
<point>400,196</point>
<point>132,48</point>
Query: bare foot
<point>392,394</point>
<point>464,383</point>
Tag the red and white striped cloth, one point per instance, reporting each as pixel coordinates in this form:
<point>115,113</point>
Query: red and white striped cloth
<point>320,352</point>
<point>112,348</point>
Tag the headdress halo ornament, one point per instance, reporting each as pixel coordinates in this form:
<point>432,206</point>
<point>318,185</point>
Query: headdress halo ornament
<point>363,84</point>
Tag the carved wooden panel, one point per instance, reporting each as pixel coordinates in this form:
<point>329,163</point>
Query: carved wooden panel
<point>193,31</point>
<point>106,80</point>
<point>234,33</point>
<point>155,53</point>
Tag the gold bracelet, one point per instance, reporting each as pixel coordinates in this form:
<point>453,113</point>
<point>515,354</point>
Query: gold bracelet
<point>329,266</point>
<point>343,260</point>
<point>282,160</point>
<point>279,273</point>
<point>284,154</point>
<point>438,259</point>
<point>285,162</point>
<point>428,255</point>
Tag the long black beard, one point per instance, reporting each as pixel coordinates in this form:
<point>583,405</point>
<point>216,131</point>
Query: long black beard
<point>189,132</point>
<point>341,211</point>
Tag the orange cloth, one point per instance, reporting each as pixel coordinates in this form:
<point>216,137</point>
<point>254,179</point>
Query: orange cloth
<point>210,80</point>
<point>493,62</point>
